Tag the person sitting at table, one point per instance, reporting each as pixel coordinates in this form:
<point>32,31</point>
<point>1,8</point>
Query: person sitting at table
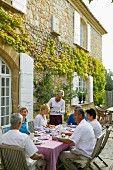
<point>15,137</point>
<point>57,105</point>
<point>40,120</point>
<point>24,127</point>
<point>91,115</point>
<point>70,120</point>
<point>83,139</point>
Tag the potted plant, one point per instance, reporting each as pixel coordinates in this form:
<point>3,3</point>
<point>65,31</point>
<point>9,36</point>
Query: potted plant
<point>84,95</point>
<point>79,95</point>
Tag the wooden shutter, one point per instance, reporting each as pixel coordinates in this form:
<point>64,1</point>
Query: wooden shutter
<point>75,85</point>
<point>20,5</point>
<point>90,89</point>
<point>26,83</point>
<point>88,38</point>
<point>76,28</point>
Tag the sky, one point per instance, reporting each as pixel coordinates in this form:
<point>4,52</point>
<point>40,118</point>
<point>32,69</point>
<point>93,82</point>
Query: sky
<point>103,11</point>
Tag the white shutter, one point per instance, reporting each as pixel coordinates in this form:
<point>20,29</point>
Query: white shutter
<point>88,38</point>
<point>20,5</point>
<point>90,88</point>
<point>26,83</point>
<point>76,28</point>
<point>75,84</point>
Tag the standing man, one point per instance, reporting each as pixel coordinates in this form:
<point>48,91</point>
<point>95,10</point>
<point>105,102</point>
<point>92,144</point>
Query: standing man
<point>83,139</point>
<point>57,105</point>
<point>15,137</point>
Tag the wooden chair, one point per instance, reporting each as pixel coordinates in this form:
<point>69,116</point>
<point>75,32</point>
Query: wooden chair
<point>103,145</point>
<point>4,128</point>
<point>84,164</point>
<point>13,158</point>
<point>101,113</point>
<point>31,126</point>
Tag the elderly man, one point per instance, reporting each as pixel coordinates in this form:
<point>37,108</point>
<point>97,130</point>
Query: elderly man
<point>15,137</point>
<point>83,138</point>
<point>57,105</point>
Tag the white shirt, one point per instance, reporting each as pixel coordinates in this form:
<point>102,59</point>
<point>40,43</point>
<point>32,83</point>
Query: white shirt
<point>96,127</point>
<point>39,122</point>
<point>56,106</point>
<point>14,137</point>
<point>84,137</point>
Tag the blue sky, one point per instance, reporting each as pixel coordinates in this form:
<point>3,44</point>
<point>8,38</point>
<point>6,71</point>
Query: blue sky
<point>103,11</point>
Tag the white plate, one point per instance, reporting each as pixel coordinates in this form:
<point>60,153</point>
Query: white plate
<point>37,134</point>
<point>44,137</point>
<point>37,142</point>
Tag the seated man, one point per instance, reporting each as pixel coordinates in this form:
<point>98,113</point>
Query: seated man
<point>71,120</point>
<point>83,138</point>
<point>14,137</point>
<point>91,115</point>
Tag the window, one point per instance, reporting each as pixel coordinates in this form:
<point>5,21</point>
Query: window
<point>5,94</point>
<point>81,32</point>
<point>82,84</point>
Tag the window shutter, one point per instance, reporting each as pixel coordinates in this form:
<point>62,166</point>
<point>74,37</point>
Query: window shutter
<point>90,88</point>
<point>88,38</point>
<point>76,28</point>
<point>20,5</point>
<point>75,84</point>
<point>26,83</point>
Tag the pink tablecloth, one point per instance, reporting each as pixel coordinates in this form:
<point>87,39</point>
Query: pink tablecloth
<point>51,150</point>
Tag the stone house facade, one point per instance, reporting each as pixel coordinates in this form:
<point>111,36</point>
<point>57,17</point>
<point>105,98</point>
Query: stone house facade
<point>69,21</point>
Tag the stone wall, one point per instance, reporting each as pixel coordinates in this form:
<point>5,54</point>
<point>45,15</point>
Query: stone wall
<point>39,18</point>
<point>8,54</point>
<point>96,44</point>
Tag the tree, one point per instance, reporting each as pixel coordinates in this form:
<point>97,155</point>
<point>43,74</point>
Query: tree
<point>109,81</point>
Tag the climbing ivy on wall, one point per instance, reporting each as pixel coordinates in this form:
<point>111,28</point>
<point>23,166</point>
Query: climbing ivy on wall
<point>58,57</point>
<point>66,60</point>
<point>13,33</point>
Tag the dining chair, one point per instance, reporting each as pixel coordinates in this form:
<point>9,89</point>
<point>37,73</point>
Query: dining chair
<point>13,158</point>
<point>108,130</point>
<point>31,126</point>
<point>4,128</point>
<point>101,113</point>
<point>86,163</point>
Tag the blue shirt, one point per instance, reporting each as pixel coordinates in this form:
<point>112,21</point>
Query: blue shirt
<point>23,128</point>
<point>71,119</point>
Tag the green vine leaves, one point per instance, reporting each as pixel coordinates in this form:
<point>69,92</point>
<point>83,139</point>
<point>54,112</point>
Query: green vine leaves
<point>12,32</point>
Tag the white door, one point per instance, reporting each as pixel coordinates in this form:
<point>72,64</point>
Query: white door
<point>5,94</point>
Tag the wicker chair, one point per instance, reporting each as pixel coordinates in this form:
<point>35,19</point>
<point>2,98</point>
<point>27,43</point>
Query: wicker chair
<point>31,126</point>
<point>13,158</point>
<point>84,164</point>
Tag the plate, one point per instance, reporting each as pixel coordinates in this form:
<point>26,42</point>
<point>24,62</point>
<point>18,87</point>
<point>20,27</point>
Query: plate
<point>72,126</point>
<point>37,142</point>
<point>37,134</point>
<point>45,137</point>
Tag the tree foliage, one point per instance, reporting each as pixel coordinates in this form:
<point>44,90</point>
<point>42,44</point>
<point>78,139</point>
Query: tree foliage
<point>109,81</point>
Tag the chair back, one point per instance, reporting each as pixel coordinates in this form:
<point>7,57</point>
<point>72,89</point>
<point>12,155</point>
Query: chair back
<point>31,126</point>
<point>106,137</point>
<point>98,145</point>
<point>4,128</point>
<point>12,157</point>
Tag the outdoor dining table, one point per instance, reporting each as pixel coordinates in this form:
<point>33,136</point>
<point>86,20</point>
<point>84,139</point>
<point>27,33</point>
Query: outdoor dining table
<point>51,150</point>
